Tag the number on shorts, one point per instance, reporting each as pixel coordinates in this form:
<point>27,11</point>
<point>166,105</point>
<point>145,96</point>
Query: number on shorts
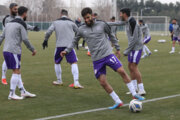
<point>113,59</point>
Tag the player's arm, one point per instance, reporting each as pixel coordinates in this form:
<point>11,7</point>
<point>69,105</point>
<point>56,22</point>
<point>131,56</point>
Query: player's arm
<point>72,45</point>
<point>75,28</point>
<point>32,28</point>
<point>25,40</point>
<point>2,36</point>
<point>47,35</point>
<point>117,23</point>
<point>113,38</point>
<point>133,38</point>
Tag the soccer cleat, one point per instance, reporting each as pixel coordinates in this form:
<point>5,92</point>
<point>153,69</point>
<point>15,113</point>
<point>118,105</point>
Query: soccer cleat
<point>27,94</point>
<point>58,83</point>
<point>4,82</point>
<point>88,53</point>
<point>138,97</point>
<point>144,56</point>
<point>149,54</point>
<point>15,97</point>
<point>142,92</point>
<point>171,52</point>
<point>71,85</point>
<point>78,86</point>
<point>116,106</point>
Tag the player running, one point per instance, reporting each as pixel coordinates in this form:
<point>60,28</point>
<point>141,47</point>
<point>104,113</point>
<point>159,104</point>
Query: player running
<point>96,33</point>
<point>147,38</point>
<point>134,49</point>
<point>13,12</point>
<point>14,34</point>
<point>65,30</point>
<point>175,34</point>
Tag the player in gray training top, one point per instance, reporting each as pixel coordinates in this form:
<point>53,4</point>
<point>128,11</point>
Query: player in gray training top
<point>114,28</point>
<point>65,30</point>
<point>175,34</point>
<point>13,12</point>
<point>96,33</point>
<point>14,34</point>
<point>135,46</point>
<point>147,38</point>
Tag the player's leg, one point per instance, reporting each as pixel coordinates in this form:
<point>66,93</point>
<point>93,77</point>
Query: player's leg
<point>4,70</point>
<point>173,45</point>
<point>179,42</point>
<point>57,66</point>
<point>144,52</point>
<point>83,44</point>
<point>72,59</point>
<point>147,49</point>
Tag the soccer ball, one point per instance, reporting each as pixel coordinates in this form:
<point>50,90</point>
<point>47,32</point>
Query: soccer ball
<point>135,106</point>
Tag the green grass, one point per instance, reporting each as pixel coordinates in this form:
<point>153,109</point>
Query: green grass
<point>161,73</point>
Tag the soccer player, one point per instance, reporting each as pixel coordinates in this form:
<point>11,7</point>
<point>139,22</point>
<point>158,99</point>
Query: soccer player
<point>147,38</point>
<point>65,30</point>
<point>175,34</point>
<point>114,28</point>
<point>135,46</point>
<point>13,13</point>
<point>96,33</point>
<point>14,34</point>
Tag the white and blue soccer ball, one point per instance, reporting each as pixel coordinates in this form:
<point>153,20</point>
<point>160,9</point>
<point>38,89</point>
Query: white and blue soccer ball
<point>135,106</point>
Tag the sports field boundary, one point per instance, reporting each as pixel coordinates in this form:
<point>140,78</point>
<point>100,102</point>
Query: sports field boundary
<point>105,108</point>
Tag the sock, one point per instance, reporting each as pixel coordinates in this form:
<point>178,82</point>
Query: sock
<point>20,85</point>
<point>141,87</point>
<point>134,82</point>
<point>144,50</point>
<point>131,88</point>
<point>75,73</point>
<point>173,48</point>
<point>4,70</point>
<point>115,97</point>
<point>147,49</point>
<point>58,71</point>
<point>13,83</point>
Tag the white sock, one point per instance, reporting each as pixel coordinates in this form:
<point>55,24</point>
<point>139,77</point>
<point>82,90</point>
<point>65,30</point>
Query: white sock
<point>141,87</point>
<point>20,85</point>
<point>75,73</point>
<point>131,88</point>
<point>13,83</point>
<point>173,48</point>
<point>144,50</point>
<point>135,84</point>
<point>115,97</point>
<point>147,49</point>
<point>58,71</point>
<point>4,70</point>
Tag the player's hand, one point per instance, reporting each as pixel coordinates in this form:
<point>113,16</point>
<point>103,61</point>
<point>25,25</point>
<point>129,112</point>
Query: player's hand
<point>63,53</point>
<point>45,44</point>
<point>36,28</point>
<point>118,53</point>
<point>34,53</point>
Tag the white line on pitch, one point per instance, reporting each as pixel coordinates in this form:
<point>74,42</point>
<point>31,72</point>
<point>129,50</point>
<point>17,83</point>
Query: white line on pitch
<point>101,109</point>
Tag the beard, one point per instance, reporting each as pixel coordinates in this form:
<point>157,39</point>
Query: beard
<point>90,24</point>
<point>122,19</point>
<point>14,14</point>
<point>24,18</point>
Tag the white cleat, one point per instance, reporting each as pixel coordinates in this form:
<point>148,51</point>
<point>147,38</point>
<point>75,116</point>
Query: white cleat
<point>171,52</point>
<point>58,83</point>
<point>15,97</point>
<point>78,86</point>
<point>144,56</point>
<point>28,95</point>
<point>142,92</point>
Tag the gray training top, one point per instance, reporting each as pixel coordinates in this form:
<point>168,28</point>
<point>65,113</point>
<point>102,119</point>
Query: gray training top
<point>145,30</point>
<point>65,30</point>
<point>14,34</point>
<point>11,17</point>
<point>96,39</point>
<point>176,30</point>
<point>133,32</point>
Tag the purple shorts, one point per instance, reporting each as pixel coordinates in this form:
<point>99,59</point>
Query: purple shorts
<point>13,61</point>
<point>70,57</point>
<point>100,65</point>
<point>135,56</point>
<point>175,39</point>
<point>147,39</point>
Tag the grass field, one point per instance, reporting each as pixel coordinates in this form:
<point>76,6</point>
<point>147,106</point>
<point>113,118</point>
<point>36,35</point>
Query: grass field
<point>161,77</point>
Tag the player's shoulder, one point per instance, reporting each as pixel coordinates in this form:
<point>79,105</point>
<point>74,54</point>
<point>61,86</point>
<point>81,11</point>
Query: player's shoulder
<point>132,20</point>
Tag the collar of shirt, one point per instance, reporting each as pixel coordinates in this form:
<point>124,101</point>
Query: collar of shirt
<point>19,17</point>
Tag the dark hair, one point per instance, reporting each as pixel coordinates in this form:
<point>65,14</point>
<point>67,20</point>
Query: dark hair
<point>127,11</point>
<point>64,12</point>
<point>113,18</point>
<point>141,21</point>
<point>95,14</point>
<point>86,11</point>
<point>22,10</point>
<point>174,19</point>
<point>12,5</point>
